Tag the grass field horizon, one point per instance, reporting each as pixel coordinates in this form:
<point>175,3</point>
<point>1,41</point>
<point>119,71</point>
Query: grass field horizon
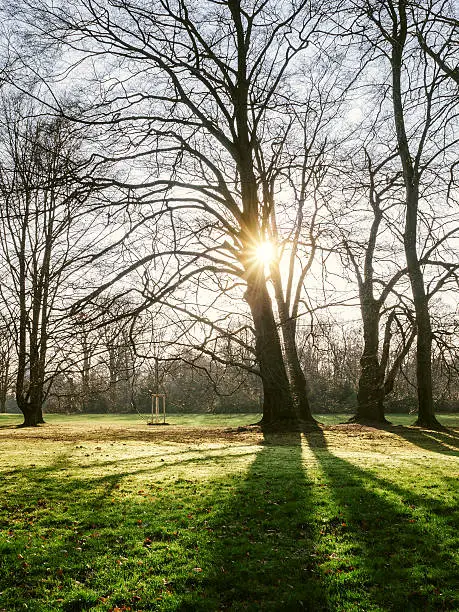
<point>211,419</point>
<point>105,513</point>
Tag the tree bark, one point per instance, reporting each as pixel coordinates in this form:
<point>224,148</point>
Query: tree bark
<point>370,397</point>
<point>4,376</point>
<point>299,387</point>
<point>426,413</point>
<point>32,413</point>
<point>371,393</point>
<point>85,375</point>
<point>296,374</point>
<point>278,407</point>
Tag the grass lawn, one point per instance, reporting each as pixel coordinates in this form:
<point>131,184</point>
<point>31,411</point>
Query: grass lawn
<point>106,513</point>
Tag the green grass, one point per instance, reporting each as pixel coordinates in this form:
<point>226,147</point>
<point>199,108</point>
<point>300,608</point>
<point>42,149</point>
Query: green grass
<point>209,420</point>
<point>104,513</point>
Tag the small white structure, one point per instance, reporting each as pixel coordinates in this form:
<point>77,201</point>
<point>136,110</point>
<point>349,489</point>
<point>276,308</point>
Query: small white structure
<point>155,408</point>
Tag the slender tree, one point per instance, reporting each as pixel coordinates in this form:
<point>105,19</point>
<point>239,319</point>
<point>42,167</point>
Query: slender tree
<point>423,138</point>
<point>40,239</point>
<point>6,359</point>
<point>375,287</point>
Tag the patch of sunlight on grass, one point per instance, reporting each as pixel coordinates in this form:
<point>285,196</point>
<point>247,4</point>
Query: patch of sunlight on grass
<point>309,459</point>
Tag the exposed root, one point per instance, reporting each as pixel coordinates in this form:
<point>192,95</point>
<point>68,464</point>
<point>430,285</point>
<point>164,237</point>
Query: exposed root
<point>431,424</point>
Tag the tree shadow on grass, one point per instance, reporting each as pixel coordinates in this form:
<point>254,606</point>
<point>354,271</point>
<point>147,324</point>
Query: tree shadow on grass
<point>248,544</point>
<point>263,556</point>
<point>438,441</point>
<point>271,537</point>
<point>154,463</point>
<point>9,426</point>
<point>71,546</point>
<point>393,544</point>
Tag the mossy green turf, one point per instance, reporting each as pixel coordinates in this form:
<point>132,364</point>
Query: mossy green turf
<point>341,519</point>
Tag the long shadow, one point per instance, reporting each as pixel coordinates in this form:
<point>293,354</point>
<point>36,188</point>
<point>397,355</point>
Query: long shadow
<point>69,529</point>
<point>263,555</point>
<point>445,441</point>
<point>61,463</point>
<point>270,538</point>
<point>392,538</point>
<point>255,551</point>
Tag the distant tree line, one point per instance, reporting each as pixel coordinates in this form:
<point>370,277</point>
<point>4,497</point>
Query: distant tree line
<point>114,380</point>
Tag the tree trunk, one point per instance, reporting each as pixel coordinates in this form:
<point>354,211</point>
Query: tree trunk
<point>299,387</point>
<point>32,413</point>
<point>30,418</point>
<point>278,407</point>
<point>296,374</point>
<point>30,402</point>
<point>426,414</point>
<point>411,178</point>
<point>370,397</point>
<point>39,413</point>
<point>31,406</point>
<point>85,375</point>
<point>4,379</point>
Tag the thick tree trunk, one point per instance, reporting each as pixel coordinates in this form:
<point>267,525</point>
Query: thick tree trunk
<point>278,406</point>
<point>32,413</point>
<point>279,410</point>
<point>30,418</point>
<point>31,404</point>
<point>370,397</point>
<point>36,397</point>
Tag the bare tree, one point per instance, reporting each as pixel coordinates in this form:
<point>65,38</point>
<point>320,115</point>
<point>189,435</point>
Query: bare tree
<point>436,24</point>
<point>41,200</point>
<point>6,360</point>
<point>378,269</point>
<point>423,114</point>
<point>221,82</point>
<point>220,128</point>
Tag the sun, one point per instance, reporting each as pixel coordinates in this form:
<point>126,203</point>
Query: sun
<point>264,252</point>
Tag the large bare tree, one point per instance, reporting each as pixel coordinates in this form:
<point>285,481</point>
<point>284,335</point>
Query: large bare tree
<point>194,101</point>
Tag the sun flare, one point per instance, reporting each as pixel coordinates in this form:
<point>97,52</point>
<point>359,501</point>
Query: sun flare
<point>264,252</point>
